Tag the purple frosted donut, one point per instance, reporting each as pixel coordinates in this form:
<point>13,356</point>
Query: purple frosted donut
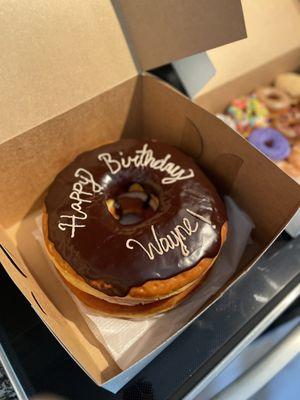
<point>271,143</point>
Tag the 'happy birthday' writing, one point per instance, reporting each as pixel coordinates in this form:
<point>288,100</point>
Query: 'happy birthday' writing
<point>82,191</point>
<point>145,158</point>
<point>86,186</point>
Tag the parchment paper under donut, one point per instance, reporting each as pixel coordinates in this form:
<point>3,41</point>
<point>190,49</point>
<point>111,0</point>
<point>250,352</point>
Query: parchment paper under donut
<point>130,340</point>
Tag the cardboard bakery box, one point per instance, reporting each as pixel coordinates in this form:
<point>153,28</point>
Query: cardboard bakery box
<point>71,80</point>
<point>268,51</point>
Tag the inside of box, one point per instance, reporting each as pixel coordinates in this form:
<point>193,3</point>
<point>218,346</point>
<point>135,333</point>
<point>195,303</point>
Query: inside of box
<point>217,99</point>
<point>141,106</point>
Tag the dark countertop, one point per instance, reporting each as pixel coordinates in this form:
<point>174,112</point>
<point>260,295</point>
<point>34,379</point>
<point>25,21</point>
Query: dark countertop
<point>6,390</point>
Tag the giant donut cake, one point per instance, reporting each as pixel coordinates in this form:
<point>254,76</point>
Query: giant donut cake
<point>146,267</point>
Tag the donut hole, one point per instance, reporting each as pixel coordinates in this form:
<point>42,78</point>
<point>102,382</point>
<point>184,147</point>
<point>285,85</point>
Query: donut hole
<point>133,206</point>
<point>273,96</point>
<point>269,143</point>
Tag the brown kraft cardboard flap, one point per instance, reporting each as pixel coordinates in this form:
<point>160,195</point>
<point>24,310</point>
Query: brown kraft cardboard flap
<point>55,55</point>
<point>161,31</point>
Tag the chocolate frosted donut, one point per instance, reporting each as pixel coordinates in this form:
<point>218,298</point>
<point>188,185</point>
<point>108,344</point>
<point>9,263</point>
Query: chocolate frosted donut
<point>159,256</point>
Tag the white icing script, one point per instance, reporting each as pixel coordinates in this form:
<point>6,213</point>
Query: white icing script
<point>83,189</point>
<point>175,238</point>
<point>145,158</point>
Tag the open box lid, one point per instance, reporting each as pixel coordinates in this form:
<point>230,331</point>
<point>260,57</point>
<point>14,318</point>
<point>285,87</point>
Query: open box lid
<point>56,55</point>
<point>165,31</point>
<point>267,52</point>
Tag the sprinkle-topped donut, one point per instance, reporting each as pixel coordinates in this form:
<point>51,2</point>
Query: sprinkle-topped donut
<point>248,113</point>
<point>101,254</point>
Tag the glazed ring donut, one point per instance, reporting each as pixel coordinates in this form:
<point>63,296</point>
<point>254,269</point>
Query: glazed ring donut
<point>289,123</point>
<point>180,230</point>
<point>275,99</point>
<point>271,143</point>
<point>289,82</point>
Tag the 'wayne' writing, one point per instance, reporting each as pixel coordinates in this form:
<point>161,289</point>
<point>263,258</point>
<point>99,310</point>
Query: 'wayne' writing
<point>145,158</point>
<point>174,239</point>
<point>82,191</point>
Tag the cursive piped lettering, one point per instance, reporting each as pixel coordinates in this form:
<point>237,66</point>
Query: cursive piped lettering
<point>175,238</point>
<point>82,190</point>
<point>145,158</point>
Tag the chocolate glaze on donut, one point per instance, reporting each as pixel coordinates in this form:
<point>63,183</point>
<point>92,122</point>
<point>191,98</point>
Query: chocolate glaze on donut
<point>185,229</point>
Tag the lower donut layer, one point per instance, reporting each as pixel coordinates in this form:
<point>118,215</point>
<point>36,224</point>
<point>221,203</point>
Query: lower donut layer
<point>139,311</point>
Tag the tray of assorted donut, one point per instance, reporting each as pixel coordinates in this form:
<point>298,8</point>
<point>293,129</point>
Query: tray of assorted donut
<point>269,118</point>
<point>260,96</point>
<point>126,209</point>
